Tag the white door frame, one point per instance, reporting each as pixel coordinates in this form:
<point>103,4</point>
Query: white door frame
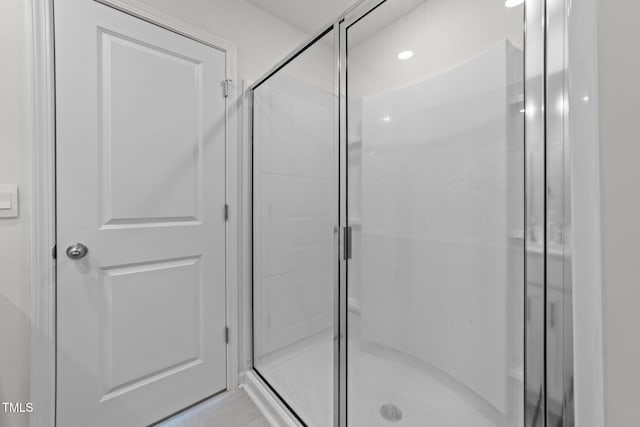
<point>43,178</point>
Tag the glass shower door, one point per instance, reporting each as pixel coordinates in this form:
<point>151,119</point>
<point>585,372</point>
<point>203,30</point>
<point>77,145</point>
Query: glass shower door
<point>294,183</point>
<point>435,160</point>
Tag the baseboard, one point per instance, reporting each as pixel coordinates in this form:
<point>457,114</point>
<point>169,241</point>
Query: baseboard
<point>276,414</point>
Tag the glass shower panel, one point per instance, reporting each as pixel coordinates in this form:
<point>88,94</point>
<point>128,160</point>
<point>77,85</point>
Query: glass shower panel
<point>294,242</point>
<point>435,128</point>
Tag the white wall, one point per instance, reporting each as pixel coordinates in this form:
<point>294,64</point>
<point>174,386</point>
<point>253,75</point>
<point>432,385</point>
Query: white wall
<point>262,40</point>
<point>619,68</point>
<point>14,269</point>
<point>585,237</point>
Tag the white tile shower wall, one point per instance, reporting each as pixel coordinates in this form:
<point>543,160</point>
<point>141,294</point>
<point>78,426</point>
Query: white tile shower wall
<point>438,219</point>
<point>293,235</point>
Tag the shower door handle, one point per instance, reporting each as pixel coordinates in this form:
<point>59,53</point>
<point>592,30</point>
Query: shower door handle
<point>347,243</point>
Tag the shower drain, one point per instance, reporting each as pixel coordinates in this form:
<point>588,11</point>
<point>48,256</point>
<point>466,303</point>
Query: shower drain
<point>390,412</point>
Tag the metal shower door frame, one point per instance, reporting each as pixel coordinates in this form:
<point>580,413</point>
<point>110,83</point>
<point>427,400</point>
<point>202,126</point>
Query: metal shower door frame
<point>543,125</point>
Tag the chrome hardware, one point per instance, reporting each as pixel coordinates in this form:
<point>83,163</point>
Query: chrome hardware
<point>348,237</point>
<point>226,87</point>
<point>77,251</point>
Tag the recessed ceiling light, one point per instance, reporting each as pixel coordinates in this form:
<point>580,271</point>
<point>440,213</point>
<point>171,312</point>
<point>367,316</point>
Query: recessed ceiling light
<point>513,3</point>
<point>386,118</point>
<point>405,54</point>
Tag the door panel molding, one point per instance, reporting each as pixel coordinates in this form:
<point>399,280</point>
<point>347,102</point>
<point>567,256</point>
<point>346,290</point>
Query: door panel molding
<point>43,195</point>
<point>42,224</point>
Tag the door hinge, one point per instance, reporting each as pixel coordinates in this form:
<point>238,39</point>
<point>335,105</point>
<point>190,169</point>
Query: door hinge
<point>226,87</point>
<point>347,243</point>
<point>54,252</point>
<point>226,334</point>
<point>226,212</point>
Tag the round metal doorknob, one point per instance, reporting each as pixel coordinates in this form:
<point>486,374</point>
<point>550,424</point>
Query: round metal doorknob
<point>77,251</point>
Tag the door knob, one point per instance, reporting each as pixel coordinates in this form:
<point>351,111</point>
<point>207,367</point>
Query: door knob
<point>77,251</point>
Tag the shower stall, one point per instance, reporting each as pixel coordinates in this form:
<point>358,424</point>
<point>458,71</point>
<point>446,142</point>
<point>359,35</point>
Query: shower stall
<point>408,216</point>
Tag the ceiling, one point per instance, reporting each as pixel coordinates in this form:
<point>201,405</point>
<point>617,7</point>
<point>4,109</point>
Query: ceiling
<point>306,15</point>
<point>309,16</point>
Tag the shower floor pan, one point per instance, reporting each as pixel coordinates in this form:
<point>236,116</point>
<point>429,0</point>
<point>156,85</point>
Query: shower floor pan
<point>384,389</point>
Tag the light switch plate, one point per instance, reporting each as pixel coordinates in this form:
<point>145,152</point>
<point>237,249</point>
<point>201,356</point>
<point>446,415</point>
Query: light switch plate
<point>8,201</point>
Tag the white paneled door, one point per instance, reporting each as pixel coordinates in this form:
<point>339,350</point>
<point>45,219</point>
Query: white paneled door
<point>141,185</point>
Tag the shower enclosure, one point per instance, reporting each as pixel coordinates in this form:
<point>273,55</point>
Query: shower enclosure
<point>408,213</point>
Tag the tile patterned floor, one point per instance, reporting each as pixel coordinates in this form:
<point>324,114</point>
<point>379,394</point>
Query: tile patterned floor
<point>233,409</point>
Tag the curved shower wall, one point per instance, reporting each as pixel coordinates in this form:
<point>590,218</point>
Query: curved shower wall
<point>442,224</point>
<point>436,202</point>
